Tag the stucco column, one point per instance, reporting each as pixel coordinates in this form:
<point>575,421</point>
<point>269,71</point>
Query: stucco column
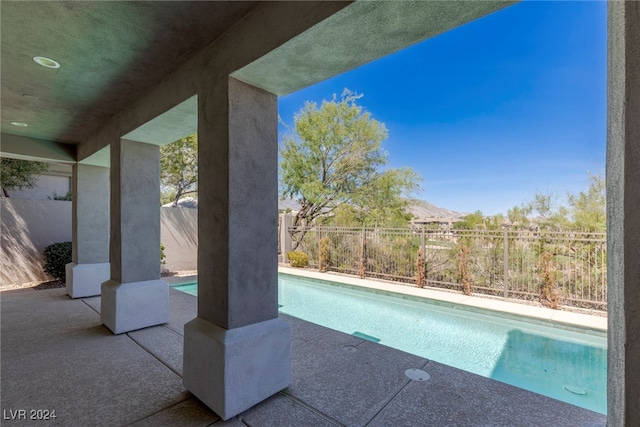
<point>237,352</point>
<point>135,297</point>
<point>90,231</point>
<point>623,214</point>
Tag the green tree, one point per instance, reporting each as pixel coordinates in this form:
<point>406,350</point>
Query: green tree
<point>179,168</point>
<point>588,209</point>
<point>495,222</point>
<point>17,174</point>
<point>519,216</point>
<point>470,222</point>
<point>379,202</point>
<point>334,158</point>
<point>551,214</point>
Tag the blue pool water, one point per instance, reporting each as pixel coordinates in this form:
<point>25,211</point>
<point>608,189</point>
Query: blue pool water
<point>563,364</point>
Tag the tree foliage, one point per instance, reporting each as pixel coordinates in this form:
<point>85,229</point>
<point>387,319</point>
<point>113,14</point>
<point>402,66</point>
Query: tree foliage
<point>179,168</point>
<point>334,159</point>
<point>16,174</point>
<point>519,216</point>
<point>585,211</point>
<point>470,222</point>
<point>550,213</point>
<point>588,209</point>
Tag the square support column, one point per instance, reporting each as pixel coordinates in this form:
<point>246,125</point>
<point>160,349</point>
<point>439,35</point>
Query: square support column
<point>237,352</point>
<point>623,213</point>
<point>90,231</point>
<point>135,297</point>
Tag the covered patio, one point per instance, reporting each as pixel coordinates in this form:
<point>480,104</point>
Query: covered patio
<point>102,85</point>
<point>58,356</point>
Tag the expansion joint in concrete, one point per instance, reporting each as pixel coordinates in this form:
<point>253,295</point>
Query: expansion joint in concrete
<point>153,354</point>
<point>310,408</point>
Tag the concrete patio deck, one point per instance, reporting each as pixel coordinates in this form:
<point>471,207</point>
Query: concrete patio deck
<point>57,356</point>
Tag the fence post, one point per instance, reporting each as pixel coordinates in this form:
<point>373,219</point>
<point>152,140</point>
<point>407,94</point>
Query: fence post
<point>320,263</point>
<point>506,262</point>
<point>285,237</point>
<point>424,254</point>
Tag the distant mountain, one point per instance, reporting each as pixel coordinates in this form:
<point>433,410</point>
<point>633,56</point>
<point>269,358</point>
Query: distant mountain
<point>421,209</point>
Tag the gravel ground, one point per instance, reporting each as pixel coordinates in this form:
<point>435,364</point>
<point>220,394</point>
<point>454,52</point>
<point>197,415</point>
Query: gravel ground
<point>38,285</point>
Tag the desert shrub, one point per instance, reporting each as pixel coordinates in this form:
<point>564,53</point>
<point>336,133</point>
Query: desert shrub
<point>548,292</point>
<point>420,276</point>
<point>362,265</point>
<point>324,254</point>
<point>65,197</point>
<point>56,257</point>
<point>463,262</point>
<point>298,259</point>
<point>163,256</point>
<point>391,255</point>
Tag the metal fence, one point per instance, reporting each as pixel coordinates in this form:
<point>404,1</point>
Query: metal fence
<point>498,262</point>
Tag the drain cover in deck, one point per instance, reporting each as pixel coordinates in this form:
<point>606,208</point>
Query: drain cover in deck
<point>350,348</point>
<point>417,374</point>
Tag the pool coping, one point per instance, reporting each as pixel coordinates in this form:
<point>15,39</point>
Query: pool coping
<point>580,321</point>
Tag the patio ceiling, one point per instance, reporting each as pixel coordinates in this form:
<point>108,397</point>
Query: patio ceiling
<point>110,53</point>
<point>117,54</point>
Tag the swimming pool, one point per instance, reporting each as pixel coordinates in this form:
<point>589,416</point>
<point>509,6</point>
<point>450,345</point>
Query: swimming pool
<point>563,364</point>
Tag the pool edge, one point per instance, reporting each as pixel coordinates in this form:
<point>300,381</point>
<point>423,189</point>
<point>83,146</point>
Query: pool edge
<point>585,322</point>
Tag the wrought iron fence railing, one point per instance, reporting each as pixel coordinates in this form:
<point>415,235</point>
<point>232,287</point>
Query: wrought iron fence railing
<point>498,262</point>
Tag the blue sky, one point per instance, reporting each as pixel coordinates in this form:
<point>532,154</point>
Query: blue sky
<point>493,111</point>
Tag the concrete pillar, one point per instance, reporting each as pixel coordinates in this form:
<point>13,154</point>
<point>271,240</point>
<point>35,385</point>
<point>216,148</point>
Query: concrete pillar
<point>623,213</point>
<point>237,352</point>
<point>135,297</point>
<point>90,231</point>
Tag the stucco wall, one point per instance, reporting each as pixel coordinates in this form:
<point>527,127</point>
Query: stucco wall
<point>28,226</point>
<point>46,187</point>
<point>179,235</point>
<point>623,213</point>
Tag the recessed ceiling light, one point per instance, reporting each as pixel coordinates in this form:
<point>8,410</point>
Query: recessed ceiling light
<point>19,124</point>
<point>46,62</point>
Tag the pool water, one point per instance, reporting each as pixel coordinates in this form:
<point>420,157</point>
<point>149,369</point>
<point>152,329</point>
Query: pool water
<point>563,364</point>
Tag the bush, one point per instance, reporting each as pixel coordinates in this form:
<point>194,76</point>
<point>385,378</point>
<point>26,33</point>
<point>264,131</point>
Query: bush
<point>421,278</point>
<point>298,259</point>
<point>66,197</point>
<point>464,262</point>
<point>56,257</point>
<point>324,254</point>
<point>548,291</point>
<point>162,255</point>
